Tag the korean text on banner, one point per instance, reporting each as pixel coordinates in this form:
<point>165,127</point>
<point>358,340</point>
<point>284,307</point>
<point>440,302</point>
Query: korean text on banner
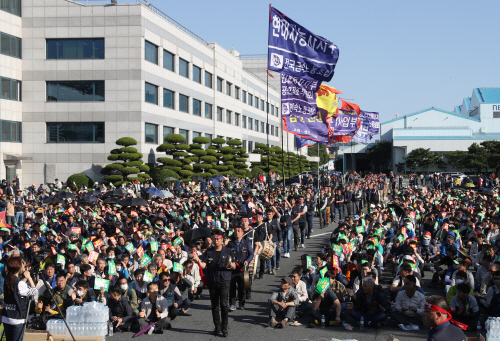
<point>298,96</point>
<point>294,50</point>
<point>309,127</point>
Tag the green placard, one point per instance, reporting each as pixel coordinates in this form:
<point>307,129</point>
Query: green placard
<point>101,283</point>
<point>129,247</point>
<point>177,267</point>
<point>61,260</point>
<point>145,260</point>
<point>308,262</point>
<point>154,246</point>
<point>177,241</point>
<point>148,277</point>
<point>322,285</point>
<point>111,268</point>
<point>360,229</point>
<point>337,249</point>
<point>323,271</point>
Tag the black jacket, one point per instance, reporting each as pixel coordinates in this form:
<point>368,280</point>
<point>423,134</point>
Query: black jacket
<point>120,308</point>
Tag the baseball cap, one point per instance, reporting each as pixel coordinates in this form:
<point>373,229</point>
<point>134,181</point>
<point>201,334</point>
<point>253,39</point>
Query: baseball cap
<point>427,235</point>
<point>287,280</point>
<point>407,257</point>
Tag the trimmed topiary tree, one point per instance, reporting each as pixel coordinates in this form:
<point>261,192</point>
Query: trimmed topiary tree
<point>128,164</point>
<point>180,162</point>
<point>79,180</point>
<point>160,174</point>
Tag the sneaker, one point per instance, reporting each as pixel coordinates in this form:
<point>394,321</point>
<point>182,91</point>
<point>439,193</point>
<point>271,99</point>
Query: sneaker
<point>402,326</point>
<point>274,272</point>
<point>282,324</point>
<point>241,307</point>
<point>232,308</point>
<point>277,266</point>
<point>151,330</point>
<point>302,246</point>
<point>270,272</point>
<point>273,323</point>
<point>413,327</point>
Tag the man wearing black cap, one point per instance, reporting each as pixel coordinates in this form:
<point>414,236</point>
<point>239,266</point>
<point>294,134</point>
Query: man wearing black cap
<point>218,264</point>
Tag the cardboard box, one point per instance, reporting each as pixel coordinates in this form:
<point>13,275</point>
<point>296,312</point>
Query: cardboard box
<point>36,335</point>
<point>77,338</point>
<point>481,338</point>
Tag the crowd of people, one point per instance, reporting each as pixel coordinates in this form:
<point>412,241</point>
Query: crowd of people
<point>147,252</point>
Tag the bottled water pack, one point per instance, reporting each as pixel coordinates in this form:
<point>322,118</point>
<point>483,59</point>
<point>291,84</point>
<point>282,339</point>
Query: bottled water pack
<point>89,320</point>
<point>492,326</point>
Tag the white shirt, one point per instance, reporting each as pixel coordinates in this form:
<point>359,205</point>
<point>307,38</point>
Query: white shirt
<point>416,301</point>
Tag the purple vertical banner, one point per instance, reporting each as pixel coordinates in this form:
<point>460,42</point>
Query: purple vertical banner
<point>373,121</point>
<point>298,96</point>
<point>309,127</point>
<point>344,124</point>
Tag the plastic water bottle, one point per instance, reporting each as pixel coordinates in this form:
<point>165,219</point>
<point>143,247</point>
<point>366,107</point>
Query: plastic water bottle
<point>110,327</point>
<point>362,323</point>
<point>478,328</point>
<point>322,321</point>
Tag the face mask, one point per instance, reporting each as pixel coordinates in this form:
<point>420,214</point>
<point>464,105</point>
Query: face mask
<point>111,257</point>
<point>124,286</point>
<point>79,293</point>
<point>118,268</point>
<point>458,281</point>
<point>426,242</point>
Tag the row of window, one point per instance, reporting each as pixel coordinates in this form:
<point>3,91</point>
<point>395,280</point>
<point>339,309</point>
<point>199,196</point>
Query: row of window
<point>75,91</point>
<point>151,136</point>
<point>11,131</point>
<point>10,89</point>
<point>89,48</point>
<point>10,45</point>
<point>151,133</point>
<point>11,6</point>
<point>151,55</point>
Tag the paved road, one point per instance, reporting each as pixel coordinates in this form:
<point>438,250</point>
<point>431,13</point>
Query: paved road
<point>251,324</point>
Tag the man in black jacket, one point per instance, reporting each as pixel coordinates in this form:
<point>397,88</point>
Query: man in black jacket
<point>274,231</point>
<point>120,311</point>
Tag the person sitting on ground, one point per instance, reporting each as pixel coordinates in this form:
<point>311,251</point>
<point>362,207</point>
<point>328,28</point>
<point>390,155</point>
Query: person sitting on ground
<point>369,304</point>
<point>129,293</point>
<point>120,311</point>
<point>82,294</point>
<point>409,305</point>
<point>465,307</point>
<point>301,290</point>
<point>460,277</point>
<point>154,308</point>
<point>326,304</point>
<point>282,304</point>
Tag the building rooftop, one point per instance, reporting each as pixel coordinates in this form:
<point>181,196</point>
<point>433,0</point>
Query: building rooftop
<point>489,95</point>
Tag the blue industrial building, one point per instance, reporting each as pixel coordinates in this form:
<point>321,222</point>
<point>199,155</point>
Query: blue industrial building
<point>477,119</point>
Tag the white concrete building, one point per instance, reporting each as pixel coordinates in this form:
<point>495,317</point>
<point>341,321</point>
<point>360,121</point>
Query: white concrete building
<point>80,76</point>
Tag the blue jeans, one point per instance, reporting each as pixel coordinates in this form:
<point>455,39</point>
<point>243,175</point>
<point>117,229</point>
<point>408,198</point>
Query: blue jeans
<point>20,219</point>
<point>374,318</point>
<point>14,332</point>
<point>339,211</point>
<point>287,239</point>
<point>271,263</point>
<point>309,219</point>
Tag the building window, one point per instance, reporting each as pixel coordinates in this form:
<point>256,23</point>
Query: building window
<point>250,100</point>
<point>167,131</point>
<point>184,133</point>
<point>168,61</point>
<point>256,126</point>
<point>496,114</point>
<point>183,103</point>
<point>11,6</point>
<point>168,99</point>
<point>196,134</point>
<point>208,79</point>
<point>244,144</point>
<point>208,136</point>
<point>75,132</point>
<point>196,107</point>
<point>151,93</point>
<point>220,137</point>
<point>272,109</point>
<point>277,132</point>
<point>228,139</point>
<point>208,110</point>
<point>151,133</point>
<point>219,84</point>
<point>236,92</point>
<point>250,122</point>
<point>244,122</point>
<point>75,91</point>
<point>75,48</point>
<point>10,89</point>
<point>219,114</point>
<point>277,112</point>
<point>183,68</point>
<point>237,119</point>
<point>244,96</point>
<point>257,102</point>
<point>196,74</point>
<point>11,131</point>
<point>228,88</point>
<point>272,130</point>
<point>250,146</point>
<point>262,127</point>
<point>262,104</point>
<point>10,45</point>
<point>151,53</point>
<point>229,115</point>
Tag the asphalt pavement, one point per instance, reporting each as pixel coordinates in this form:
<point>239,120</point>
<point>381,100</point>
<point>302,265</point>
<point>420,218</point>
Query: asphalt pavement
<point>251,323</point>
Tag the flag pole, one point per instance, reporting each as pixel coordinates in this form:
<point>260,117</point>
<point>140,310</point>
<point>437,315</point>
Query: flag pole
<point>267,131</point>
<point>283,151</point>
